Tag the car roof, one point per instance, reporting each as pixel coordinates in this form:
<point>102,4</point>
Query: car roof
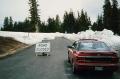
<point>89,40</point>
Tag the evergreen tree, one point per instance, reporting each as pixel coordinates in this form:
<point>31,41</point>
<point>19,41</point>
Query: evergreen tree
<point>65,21</point>
<point>94,26</point>
<point>51,25</point>
<point>43,27</point>
<point>111,16</point>
<point>69,22</point>
<point>115,17</point>
<point>35,20</point>
<point>8,24</point>
<point>78,24</point>
<point>26,26</point>
<point>58,24</point>
<point>73,25</point>
<point>119,23</point>
<point>98,25</point>
<point>15,28</point>
<point>20,27</point>
<point>107,8</point>
<point>84,21</point>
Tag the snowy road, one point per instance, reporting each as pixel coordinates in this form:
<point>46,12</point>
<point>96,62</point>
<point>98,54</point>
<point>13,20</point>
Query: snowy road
<point>25,65</point>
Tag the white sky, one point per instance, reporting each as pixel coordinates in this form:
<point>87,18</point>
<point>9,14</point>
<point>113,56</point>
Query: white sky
<point>18,9</point>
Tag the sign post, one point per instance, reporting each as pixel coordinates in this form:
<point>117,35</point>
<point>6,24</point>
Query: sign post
<point>42,49</point>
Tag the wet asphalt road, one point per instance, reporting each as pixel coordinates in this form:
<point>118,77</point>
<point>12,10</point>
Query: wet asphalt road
<point>25,65</point>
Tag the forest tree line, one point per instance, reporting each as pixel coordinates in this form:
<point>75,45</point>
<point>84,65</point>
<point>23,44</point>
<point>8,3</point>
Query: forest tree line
<point>109,19</point>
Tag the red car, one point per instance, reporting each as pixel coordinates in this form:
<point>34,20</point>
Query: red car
<point>90,54</point>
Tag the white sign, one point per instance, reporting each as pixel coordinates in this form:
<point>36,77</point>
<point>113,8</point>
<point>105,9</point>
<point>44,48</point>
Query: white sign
<point>42,47</point>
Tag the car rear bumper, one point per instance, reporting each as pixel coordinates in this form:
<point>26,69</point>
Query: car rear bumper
<point>97,67</point>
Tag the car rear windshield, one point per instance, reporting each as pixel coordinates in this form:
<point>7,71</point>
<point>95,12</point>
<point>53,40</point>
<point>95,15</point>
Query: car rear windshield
<point>97,46</point>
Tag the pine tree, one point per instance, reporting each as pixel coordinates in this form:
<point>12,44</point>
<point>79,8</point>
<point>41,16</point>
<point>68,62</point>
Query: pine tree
<point>35,20</point>
<point>84,21</point>
<point>119,22</point>
<point>26,26</point>
<point>98,25</point>
<point>74,25</point>
<point>115,17</point>
<point>111,16</point>
<point>51,25</point>
<point>6,24</point>
<point>65,21</point>
<point>107,8</point>
<point>43,27</point>
<point>77,24</point>
<point>58,23</point>
<point>22,26</point>
<point>15,28</point>
<point>10,24</point>
<point>69,22</point>
<point>94,26</point>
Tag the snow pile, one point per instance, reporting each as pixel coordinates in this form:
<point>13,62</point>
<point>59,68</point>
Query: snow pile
<point>30,38</point>
<point>106,36</point>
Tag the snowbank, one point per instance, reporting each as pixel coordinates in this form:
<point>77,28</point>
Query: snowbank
<point>106,36</point>
<point>30,38</point>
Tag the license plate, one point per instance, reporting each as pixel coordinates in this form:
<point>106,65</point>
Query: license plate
<point>99,68</point>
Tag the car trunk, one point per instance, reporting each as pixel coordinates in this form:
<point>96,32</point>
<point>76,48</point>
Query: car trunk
<point>97,57</point>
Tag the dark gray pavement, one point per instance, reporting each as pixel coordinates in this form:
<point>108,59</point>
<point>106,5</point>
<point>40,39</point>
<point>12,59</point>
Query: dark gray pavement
<point>25,65</point>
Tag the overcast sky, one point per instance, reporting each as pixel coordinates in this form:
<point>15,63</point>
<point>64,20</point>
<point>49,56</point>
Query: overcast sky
<point>18,9</point>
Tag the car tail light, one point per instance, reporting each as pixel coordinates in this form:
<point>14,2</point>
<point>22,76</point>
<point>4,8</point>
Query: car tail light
<point>81,53</point>
<point>115,60</point>
<point>114,54</point>
<point>80,59</point>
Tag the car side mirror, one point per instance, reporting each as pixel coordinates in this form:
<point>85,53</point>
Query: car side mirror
<point>72,47</point>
